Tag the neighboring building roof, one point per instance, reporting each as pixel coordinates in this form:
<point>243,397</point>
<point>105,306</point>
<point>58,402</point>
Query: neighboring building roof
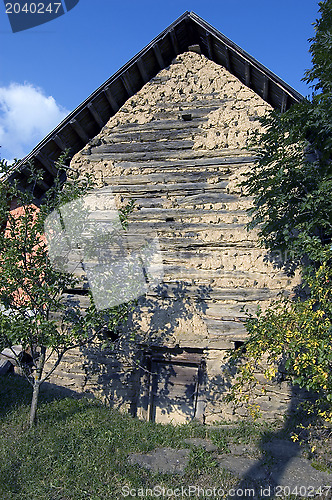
<point>188,32</point>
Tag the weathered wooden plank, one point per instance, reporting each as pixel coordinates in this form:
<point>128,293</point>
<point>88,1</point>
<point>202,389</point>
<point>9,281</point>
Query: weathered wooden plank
<point>177,154</point>
<point>188,242</point>
<point>168,187</point>
<point>162,202</point>
<point>222,160</point>
<point>179,213</point>
<point>76,300</point>
<point>170,113</point>
<point>182,226</point>
<point>163,177</point>
<point>199,102</point>
<point>151,135</point>
<point>181,272</point>
<point>228,312</point>
<point>142,146</point>
<point>184,243</point>
<point>180,216</point>
<point>158,125</point>
<point>219,327</point>
<point>207,292</point>
<point>211,197</point>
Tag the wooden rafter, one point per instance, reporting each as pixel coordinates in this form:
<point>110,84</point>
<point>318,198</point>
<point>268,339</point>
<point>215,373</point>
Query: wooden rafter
<point>79,130</point>
<point>174,41</point>
<point>158,55</point>
<point>109,96</point>
<point>95,115</point>
<point>142,70</point>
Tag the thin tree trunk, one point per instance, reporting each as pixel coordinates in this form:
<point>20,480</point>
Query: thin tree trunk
<point>36,387</point>
<point>34,403</point>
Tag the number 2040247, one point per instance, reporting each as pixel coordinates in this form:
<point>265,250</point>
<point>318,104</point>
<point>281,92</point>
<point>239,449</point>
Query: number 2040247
<point>33,8</point>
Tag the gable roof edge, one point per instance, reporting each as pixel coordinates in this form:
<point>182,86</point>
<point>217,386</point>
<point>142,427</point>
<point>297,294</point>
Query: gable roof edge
<point>87,119</point>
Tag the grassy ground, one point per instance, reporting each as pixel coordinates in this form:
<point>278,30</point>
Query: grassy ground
<point>79,449</point>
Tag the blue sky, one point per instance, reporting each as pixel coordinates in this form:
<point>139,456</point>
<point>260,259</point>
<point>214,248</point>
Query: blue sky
<point>47,71</point>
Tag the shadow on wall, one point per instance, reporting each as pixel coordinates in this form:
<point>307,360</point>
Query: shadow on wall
<point>147,362</point>
<point>152,372</point>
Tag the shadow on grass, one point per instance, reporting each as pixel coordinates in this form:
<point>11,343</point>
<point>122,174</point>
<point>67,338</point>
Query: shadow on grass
<point>16,392</point>
<point>268,472</point>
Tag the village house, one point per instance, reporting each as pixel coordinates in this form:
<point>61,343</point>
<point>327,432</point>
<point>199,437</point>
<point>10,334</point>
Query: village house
<point>171,131</point>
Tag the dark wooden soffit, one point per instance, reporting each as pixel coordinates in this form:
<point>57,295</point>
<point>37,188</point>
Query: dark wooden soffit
<point>188,31</point>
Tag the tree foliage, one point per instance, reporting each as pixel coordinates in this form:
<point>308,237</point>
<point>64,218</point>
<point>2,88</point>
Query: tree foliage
<point>291,182</point>
<point>33,312</point>
<point>291,186</point>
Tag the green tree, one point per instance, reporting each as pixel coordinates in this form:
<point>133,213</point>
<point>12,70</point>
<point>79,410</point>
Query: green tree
<point>291,186</point>
<point>33,311</point>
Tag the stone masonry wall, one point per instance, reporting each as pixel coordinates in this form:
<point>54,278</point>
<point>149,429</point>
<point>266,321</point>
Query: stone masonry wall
<point>178,147</point>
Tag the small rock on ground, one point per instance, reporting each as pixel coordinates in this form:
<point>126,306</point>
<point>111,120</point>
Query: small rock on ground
<point>163,460</point>
<point>204,443</point>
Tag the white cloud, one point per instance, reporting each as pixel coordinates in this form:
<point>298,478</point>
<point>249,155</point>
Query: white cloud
<point>26,116</point>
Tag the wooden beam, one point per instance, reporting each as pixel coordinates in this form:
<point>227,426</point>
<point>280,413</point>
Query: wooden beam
<point>174,41</point>
<point>227,59</point>
<point>109,96</point>
<point>284,102</point>
<point>60,143</point>
<point>195,48</point>
<point>247,73</point>
<point>142,71</point>
<point>159,57</point>
<point>79,130</point>
<point>95,115</point>
<point>209,45</point>
<point>265,88</point>
<point>48,164</point>
<point>127,85</point>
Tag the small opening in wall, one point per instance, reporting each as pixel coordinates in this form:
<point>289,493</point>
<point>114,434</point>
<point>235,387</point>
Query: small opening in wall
<point>238,344</point>
<point>112,335</point>
<point>187,117</point>
<point>169,219</point>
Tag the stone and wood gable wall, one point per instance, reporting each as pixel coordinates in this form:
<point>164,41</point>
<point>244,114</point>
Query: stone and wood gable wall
<point>178,148</point>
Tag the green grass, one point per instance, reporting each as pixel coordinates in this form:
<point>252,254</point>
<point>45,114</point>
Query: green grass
<point>79,449</point>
